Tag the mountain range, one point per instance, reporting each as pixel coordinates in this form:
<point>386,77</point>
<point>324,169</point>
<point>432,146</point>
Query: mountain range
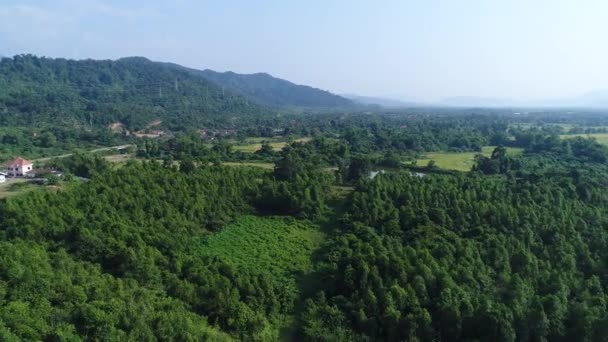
<point>135,91</point>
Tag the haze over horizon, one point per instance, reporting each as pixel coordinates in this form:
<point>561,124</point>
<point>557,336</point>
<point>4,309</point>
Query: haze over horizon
<point>423,51</point>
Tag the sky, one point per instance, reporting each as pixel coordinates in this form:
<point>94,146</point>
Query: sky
<point>423,50</point>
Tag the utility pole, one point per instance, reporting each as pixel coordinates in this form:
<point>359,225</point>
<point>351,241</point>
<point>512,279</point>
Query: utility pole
<point>160,92</point>
<point>176,85</point>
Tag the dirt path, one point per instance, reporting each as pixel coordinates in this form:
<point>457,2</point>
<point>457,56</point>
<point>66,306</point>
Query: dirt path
<point>100,149</point>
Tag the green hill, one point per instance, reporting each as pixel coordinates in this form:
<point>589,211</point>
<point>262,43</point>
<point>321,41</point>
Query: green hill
<point>133,91</point>
<point>269,90</point>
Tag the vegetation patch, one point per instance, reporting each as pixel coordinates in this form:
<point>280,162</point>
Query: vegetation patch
<point>268,166</point>
<point>255,144</point>
<point>460,161</point>
<point>280,245</point>
<point>601,138</point>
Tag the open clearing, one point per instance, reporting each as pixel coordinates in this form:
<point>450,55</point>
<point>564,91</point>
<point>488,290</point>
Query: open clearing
<point>277,146</point>
<point>254,144</point>
<point>282,245</point>
<point>460,161</point>
<point>8,188</point>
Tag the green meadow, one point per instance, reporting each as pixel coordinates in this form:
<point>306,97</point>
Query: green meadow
<point>254,144</point>
<point>460,161</point>
<point>601,138</point>
<point>282,245</point>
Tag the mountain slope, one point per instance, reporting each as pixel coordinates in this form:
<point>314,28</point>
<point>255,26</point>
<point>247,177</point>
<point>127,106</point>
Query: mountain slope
<point>134,91</point>
<point>269,90</point>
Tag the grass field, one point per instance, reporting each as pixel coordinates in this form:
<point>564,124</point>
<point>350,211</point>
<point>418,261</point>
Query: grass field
<point>281,245</point>
<point>267,166</point>
<point>254,144</point>
<point>277,146</point>
<point>10,187</point>
<point>460,161</point>
<point>601,138</point>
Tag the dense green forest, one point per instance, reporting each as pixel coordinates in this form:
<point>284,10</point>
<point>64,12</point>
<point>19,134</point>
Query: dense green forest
<point>513,250</point>
<point>340,236</point>
<point>133,91</point>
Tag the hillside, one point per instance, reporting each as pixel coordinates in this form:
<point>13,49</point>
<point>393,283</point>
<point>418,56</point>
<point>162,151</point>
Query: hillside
<point>269,90</point>
<point>133,91</point>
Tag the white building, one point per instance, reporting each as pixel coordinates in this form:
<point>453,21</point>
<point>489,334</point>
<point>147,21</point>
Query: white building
<point>19,167</point>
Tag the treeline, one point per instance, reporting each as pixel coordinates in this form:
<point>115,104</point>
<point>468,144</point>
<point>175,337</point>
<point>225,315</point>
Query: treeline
<point>544,154</point>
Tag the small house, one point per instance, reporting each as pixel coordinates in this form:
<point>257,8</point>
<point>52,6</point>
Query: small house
<point>2,177</point>
<point>19,167</point>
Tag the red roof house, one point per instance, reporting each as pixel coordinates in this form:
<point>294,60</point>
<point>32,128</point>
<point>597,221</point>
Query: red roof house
<point>19,167</point>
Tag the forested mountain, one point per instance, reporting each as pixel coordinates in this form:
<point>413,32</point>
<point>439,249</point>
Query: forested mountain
<point>270,90</point>
<point>133,91</point>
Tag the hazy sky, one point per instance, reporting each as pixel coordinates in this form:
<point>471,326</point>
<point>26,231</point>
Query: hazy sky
<point>422,49</point>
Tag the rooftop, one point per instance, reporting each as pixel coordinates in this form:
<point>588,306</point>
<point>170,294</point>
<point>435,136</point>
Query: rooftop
<point>19,162</point>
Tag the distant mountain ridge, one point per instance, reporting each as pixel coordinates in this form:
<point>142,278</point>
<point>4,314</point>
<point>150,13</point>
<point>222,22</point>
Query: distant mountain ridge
<point>591,99</point>
<point>380,101</point>
<point>269,90</point>
<point>472,101</point>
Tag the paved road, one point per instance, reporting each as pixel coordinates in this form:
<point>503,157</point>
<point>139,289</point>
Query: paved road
<point>101,149</point>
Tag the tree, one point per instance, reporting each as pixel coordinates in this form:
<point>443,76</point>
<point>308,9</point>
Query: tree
<point>187,166</point>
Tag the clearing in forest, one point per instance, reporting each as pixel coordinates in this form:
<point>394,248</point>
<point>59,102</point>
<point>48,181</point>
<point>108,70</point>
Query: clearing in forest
<point>282,246</point>
<point>460,161</point>
<point>254,144</point>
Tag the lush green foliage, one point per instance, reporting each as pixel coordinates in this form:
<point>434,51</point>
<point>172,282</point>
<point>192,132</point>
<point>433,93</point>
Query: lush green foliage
<point>133,91</point>
<point>269,90</point>
<point>280,245</point>
<point>468,257</point>
<point>51,141</point>
<point>177,249</point>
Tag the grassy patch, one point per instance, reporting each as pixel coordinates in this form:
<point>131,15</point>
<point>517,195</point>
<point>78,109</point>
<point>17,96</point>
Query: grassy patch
<point>460,161</point>
<point>267,166</point>
<point>601,138</point>
<point>277,146</point>
<point>280,245</point>
<point>254,144</point>
<point>15,186</point>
